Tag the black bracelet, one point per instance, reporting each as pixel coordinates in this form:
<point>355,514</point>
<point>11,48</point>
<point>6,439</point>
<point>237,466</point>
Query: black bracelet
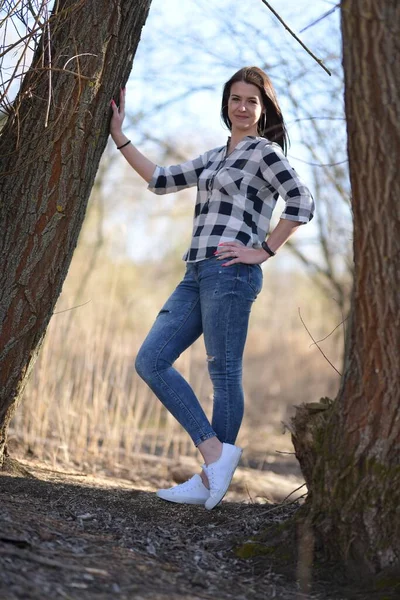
<point>267,249</point>
<point>123,145</point>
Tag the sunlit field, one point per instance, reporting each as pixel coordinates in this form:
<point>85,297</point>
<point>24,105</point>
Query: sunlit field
<point>85,405</point>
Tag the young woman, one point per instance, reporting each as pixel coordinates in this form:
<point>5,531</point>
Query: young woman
<point>237,188</point>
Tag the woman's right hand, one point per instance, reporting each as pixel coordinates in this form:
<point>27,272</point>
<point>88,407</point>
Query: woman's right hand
<point>118,115</point>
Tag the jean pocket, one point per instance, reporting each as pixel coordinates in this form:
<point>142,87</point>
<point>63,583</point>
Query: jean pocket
<point>255,278</point>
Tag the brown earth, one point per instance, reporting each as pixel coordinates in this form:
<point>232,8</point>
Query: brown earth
<point>69,535</point>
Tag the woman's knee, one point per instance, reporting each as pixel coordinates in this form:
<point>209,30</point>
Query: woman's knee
<point>144,363</point>
<point>150,363</point>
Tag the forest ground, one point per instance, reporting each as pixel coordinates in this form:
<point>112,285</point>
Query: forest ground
<point>71,535</point>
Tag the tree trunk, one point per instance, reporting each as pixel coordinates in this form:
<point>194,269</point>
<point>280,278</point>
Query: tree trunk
<point>50,150</point>
<point>350,451</point>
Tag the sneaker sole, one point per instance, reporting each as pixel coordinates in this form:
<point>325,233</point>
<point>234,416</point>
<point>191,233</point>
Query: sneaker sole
<point>181,500</point>
<point>213,502</point>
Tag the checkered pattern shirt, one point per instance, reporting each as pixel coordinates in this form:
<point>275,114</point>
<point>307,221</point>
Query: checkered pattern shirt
<point>236,194</point>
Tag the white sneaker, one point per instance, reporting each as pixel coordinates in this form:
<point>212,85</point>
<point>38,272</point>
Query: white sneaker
<point>220,473</point>
<point>192,491</point>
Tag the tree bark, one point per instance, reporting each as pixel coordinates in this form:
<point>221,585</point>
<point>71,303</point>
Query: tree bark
<point>50,150</point>
<point>350,452</point>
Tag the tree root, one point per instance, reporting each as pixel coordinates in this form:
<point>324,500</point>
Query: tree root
<point>307,428</point>
<point>12,467</point>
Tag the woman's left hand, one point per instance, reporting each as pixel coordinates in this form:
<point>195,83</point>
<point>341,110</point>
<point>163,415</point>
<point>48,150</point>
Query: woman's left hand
<point>237,253</point>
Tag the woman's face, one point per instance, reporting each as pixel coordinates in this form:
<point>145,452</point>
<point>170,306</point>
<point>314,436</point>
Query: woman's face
<point>245,107</point>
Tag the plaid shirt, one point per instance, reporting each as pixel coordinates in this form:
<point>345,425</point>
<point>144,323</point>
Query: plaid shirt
<point>236,194</point>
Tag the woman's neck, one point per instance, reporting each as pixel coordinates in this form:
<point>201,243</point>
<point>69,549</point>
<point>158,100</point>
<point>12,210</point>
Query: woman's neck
<point>236,137</point>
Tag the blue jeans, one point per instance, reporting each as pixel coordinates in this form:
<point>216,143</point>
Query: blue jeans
<point>214,301</point>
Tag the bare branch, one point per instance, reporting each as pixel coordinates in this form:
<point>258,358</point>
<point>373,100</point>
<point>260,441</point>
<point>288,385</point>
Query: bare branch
<point>318,60</point>
<point>321,18</point>
<point>329,334</point>
<point>72,308</point>
<point>314,164</point>
<point>77,55</point>
<point>316,343</point>
<point>46,120</point>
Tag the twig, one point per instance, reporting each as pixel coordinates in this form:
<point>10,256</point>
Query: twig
<point>46,121</point>
<point>67,71</point>
<point>319,348</point>
<point>61,472</point>
<point>314,118</point>
<point>333,331</point>
<point>314,164</point>
<point>291,493</point>
<point>72,308</point>
<point>9,47</point>
<point>318,60</point>
<point>283,504</point>
<point>77,55</point>
<point>248,493</point>
<point>344,319</point>
<point>48,562</point>
<point>329,12</point>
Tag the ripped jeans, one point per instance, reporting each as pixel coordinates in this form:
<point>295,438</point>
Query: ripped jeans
<point>214,301</point>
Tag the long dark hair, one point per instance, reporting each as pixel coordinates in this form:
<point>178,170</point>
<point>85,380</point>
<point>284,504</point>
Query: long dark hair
<point>271,124</point>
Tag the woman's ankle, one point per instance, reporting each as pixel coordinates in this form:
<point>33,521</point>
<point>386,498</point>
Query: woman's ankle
<point>211,450</point>
<point>204,479</point>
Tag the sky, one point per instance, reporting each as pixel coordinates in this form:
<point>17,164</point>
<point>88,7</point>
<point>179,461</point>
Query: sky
<point>188,49</point>
<point>187,52</point>
<point>200,44</point>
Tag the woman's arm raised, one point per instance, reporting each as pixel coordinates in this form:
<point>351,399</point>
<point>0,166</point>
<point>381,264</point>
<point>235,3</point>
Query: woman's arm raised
<point>142,165</point>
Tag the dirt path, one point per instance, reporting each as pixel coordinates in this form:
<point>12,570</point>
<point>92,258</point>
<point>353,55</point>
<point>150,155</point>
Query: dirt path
<point>65,536</point>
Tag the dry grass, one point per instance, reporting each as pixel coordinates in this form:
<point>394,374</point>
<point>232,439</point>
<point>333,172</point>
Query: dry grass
<point>85,404</point>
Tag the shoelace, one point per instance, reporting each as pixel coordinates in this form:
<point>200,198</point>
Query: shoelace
<point>185,485</point>
<point>211,479</point>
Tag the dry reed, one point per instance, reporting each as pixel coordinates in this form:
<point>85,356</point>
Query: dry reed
<point>85,404</point>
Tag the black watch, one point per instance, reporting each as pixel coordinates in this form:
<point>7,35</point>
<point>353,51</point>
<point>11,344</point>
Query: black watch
<point>267,249</point>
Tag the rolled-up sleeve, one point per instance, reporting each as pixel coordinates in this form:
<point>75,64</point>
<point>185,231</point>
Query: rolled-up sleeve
<point>279,174</point>
<point>166,180</point>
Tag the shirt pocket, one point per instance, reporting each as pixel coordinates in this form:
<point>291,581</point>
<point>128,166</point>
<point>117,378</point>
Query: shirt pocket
<point>230,181</point>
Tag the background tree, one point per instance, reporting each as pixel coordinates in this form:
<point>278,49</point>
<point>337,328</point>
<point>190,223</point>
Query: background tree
<point>350,452</point>
<point>50,148</point>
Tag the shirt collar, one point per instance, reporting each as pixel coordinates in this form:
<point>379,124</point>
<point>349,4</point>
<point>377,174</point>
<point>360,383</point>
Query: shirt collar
<point>239,144</point>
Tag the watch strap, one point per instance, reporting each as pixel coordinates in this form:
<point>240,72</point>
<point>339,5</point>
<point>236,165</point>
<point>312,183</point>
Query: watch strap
<point>267,249</point>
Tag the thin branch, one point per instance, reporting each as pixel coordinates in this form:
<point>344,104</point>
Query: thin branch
<point>313,164</point>
<point>248,493</point>
<point>28,36</point>
<point>344,319</point>
<point>77,55</point>
<point>67,71</point>
<point>48,562</point>
<point>291,493</point>
<point>321,18</point>
<point>316,343</point>
<point>46,121</point>
<point>72,308</point>
<point>333,331</point>
<point>319,118</point>
<point>284,503</point>
<point>318,60</point>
